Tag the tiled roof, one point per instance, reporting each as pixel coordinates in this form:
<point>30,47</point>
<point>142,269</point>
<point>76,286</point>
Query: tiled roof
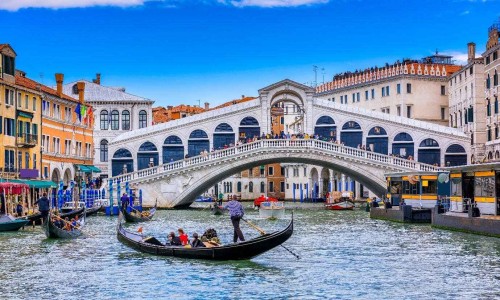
<point>235,101</point>
<point>31,84</point>
<point>97,92</point>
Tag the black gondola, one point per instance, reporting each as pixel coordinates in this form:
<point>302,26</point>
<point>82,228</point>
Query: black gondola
<point>137,216</point>
<point>217,210</point>
<point>236,251</point>
<point>37,217</point>
<point>52,231</point>
<point>93,210</point>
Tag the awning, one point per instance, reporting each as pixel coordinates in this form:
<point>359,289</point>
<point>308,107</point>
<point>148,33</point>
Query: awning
<point>24,114</point>
<point>88,168</point>
<point>38,184</point>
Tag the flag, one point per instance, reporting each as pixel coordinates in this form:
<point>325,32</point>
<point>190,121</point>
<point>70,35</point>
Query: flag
<point>83,111</point>
<point>90,116</point>
<point>140,230</point>
<point>78,112</point>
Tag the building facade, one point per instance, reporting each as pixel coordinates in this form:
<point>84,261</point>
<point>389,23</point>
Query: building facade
<point>20,122</point>
<point>491,92</point>
<point>115,112</point>
<point>412,89</point>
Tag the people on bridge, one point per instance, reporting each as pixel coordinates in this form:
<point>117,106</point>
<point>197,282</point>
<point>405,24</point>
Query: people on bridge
<point>173,240</point>
<point>236,212</point>
<point>196,242</point>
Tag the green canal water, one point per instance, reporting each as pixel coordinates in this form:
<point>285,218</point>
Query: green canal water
<point>344,255</point>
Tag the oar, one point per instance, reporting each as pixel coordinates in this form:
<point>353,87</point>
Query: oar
<point>261,231</point>
<point>75,226</point>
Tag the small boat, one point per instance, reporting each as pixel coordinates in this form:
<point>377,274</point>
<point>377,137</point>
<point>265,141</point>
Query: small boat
<point>272,210</point>
<point>203,199</point>
<point>136,216</point>
<point>52,231</point>
<point>343,205</point>
<point>217,210</point>
<point>36,218</point>
<point>93,210</point>
<point>237,251</point>
<point>9,223</point>
<point>70,206</point>
<point>340,201</point>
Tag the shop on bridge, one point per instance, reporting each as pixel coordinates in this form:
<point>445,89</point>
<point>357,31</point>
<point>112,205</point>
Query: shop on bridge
<point>147,156</point>
<point>223,136</point>
<point>122,162</point>
<point>429,152</point>
<point>418,189</point>
<point>377,140</point>
<point>403,145</point>
<point>351,134</point>
<point>325,128</point>
<point>249,128</point>
<point>198,142</point>
<point>173,149</point>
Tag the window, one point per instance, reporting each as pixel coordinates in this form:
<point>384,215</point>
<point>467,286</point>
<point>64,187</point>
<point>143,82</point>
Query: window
<point>19,99</point>
<point>399,110</point>
<point>488,108</point>
<point>484,186</point>
<point>262,187</point>
<point>383,91</point>
<point>104,150</point>
<point>78,148</point>
<point>353,97</point>
<point>442,113</point>
<point>125,120</point>
<point>387,90</point>
<point>19,160</point>
<point>104,120</point>
<point>9,161</point>
<point>115,120</point>
<point>357,97</point>
<point>366,95</point>
<point>398,88</point>
<point>495,55</point>
<point>262,170</point>
<point>487,59</point>
<point>341,99</point>
<point>496,132</point>
<point>9,97</point>
<point>143,119</point>
<point>408,111</point>
<point>282,186</point>
<point>238,187</point>
<point>373,93</point>
<point>489,133</point>
<point>67,147</point>
<point>495,79</point>
<point>295,172</point>
<point>9,65</point>
<point>282,170</point>
<point>250,187</point>
<point>471,70</point>
<point>34,161</point>
<point>270,171</point>
<point>305,171</point>
<point>488,82</point>
<point>250,172</point>
<point>443,90</point>
<point>34,103</point>
<point>26,160</point>
<point>408,88</point>
<point>26,101</point>
<point>10,127</point>
<point>271,187</point>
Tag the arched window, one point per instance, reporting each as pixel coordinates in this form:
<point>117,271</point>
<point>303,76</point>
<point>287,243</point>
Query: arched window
<point>249,128</point>
<point>250,187</point>
<point>104,120</point>
<point>125,120</point>
<point>488,82</point>
<point>325,128</point>
<point>172,149</point>
<point>198,142</point>
<point>104,150</point>
<point>143,119</point>
<point>238,186</point>
<point>377,140</point>
<point>351,134</point>
<point>115,120</point>
<point>147,156</point>
<point>429,152</point>
<point>122,162</point>
<point>495,79</point>
<point>223,136</point>
<point>403,145</point>
<point>262,187</point>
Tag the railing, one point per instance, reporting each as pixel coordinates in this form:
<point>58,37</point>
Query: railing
<point>284,145</point>
<point>27,140</point>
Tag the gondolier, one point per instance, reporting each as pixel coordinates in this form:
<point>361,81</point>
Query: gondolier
<point>125,200</point>
<point>236,212</point>
<point>43,205</point>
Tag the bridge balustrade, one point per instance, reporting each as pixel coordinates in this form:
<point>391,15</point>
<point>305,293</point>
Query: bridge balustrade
<point>282,144</point>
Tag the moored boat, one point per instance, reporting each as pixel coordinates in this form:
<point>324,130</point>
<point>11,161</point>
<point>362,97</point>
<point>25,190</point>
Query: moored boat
<point>343,205</point>
<point>272,210</point>
<point>136,216</point>
<point>217,210</point>
<point>9,223</point>
<point>52,231</point>
<point>237,251</point>
<point>93,210</point>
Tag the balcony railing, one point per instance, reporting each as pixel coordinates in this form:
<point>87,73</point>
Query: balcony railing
<point>27,140</point>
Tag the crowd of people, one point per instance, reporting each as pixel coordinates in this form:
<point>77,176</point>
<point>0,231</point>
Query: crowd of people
<point>66,224</point>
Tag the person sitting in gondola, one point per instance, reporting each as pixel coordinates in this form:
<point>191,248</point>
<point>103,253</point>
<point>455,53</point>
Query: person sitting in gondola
<point>173,240</point>
<point>183,237</point>
<point>58,222</point>
<point>77,221</point>
<point>67,224</point>
<point>195,243</point>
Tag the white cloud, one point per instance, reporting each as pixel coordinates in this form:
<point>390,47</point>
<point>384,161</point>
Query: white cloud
<point>460,58</point>
<point>465,13</point>
<point>276,3</point>
<point>14,5</point>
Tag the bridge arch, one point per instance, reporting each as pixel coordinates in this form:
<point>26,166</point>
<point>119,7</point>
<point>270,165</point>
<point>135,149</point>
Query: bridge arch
<point>287,95</point>
<point>325,127</point>
<point>173,149</point>
<point>198,141</point>
<point>351,134</point>
<point>223,136</point>
<point>378,140</point>
<point>429,152</point>
<point>249,128</point>
<point>122,162</point>
<point>403,145</point>
<point>147,155</point>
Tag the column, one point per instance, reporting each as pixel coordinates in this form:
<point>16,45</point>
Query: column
<point>320,187</point>
<point>358,190</point>
<point>343,183</point>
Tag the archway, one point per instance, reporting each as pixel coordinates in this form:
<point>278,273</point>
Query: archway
<point>314,188</point>
<point>223,136</point>
<point>56,176</point>
<point>455,156</point>
<point>67,177</point>
<point>351,134</point>
<point>249,128</point>
<point>377,140</point>
<point>429,152</point>
<point>403,145</point>
<point>325,178</point>
<point>122,162</point>
<point>325,128</point>
<point>173,149</point>
<point>147,156</point>
<point>198,142</point>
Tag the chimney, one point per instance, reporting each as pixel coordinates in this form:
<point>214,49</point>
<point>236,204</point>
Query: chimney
<point>97,79</point>
<point>59,81</point>
<point>242,96</point>
<point>471,51</point>
<point>81,91</point>
<point>207,106</point>
<point>170,107</point>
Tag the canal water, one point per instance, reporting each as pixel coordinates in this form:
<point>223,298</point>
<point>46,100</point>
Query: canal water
<point>344,255</point>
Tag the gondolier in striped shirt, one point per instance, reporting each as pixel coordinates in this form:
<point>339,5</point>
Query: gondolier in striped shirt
<point>236,212</point>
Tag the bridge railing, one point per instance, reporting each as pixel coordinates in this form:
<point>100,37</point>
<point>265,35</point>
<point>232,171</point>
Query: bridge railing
<point>281,144</point>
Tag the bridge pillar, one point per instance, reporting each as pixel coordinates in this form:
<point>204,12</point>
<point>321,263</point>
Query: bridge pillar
<point>358,190</point>
<point>343,185</point>
<point>265,113</point>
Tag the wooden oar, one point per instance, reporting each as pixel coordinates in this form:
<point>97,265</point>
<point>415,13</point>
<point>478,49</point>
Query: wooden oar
<point>261,231</point>
<point>68,222</point>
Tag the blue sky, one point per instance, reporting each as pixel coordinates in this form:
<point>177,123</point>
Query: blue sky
<point>216,50</point>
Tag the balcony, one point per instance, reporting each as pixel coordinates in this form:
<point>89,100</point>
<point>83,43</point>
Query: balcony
<point>27,140</point>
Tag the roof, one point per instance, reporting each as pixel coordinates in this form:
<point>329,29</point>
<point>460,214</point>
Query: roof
<point>287,82</point>
<point>2,46</point>
<point>97,92</point>
<point>31,84</point>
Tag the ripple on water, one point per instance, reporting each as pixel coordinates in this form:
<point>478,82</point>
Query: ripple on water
<point>343,255</point>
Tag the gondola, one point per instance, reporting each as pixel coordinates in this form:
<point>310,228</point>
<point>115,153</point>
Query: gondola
<point>93,210</point>
<point>237,251</point>
<point>217,210</point>
<point>52,231</point>
<point>36,217</point>
<point>9,223</point>
<point>137,217</point>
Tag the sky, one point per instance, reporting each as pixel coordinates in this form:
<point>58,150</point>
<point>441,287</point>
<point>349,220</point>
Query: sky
<point>196,51</point>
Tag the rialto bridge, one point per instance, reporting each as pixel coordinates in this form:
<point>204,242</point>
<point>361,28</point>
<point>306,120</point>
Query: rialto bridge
<point>155,157</point>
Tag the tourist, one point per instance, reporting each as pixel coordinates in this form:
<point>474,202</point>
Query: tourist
<point>125,200</point>
<point>67,224</point>
<point>173,240</point>
<point>221,196</point>
<point>19,209</point>
<point>183,237</point>
<point>43,206</point>
<point>236,212</point>
<point>196,243</point>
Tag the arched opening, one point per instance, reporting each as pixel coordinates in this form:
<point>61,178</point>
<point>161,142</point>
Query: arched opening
<point>115,120</point>
<point>125,120</point>
<point>122,162</point>
<point>403,145</point>
<point>326,129</point>
<point>223,136</point>
<point>455,156</point>
<point>198,142</point>
<point>104,120</point>
<point>67,177</point>
<point>173,149</point>
<point>143,119</point>
<point>429,152</point>
<point>497,155</point>
<point>351,134</point>
<point>490,155</point>
<point>325,177</point>
<point>56,176</point>
<point>314,188</point>
<point>249,128</point>
<point>104,150</point>
<point>377,140</point>
<point>147,156</point>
